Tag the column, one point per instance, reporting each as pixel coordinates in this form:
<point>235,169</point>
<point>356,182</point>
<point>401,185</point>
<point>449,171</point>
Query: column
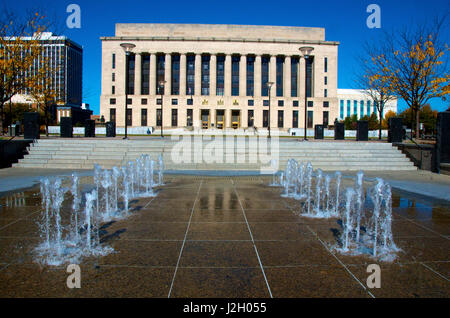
<point>137,74</point>
<point>198,74</point>
<point>152,74</point>
<point>273,76</point>
<point>257,79</point>
<point>301,86</point>
<point>287,77</point>
<point>243,76</point>
<point>168,74</point>
<point>212,75</point>
<point>182,74</point>
<point>227,79</point>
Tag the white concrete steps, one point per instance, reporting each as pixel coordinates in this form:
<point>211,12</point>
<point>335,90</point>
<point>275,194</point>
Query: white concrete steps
<point>84,153</point>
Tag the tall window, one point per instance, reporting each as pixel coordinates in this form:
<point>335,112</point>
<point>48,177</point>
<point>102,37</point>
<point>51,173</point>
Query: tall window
<point>250,118</point>
<point>205,74</point>
<point>189,117</point>
<point>355,107</point>
<point>368,108</point>
<point>279,76</point>
<point>264,75</point>
<point>280,119</point>
<point>361,109</point>
<point>250,75</point>
<point>129,117</point>
<point>160,68</point>
<point>325,92</point>
<point>130,84</point>
<point>112,115</point>
<point>310,118</point>
<point>114,60</point>
<point>348,108</point>
<point>325,119</point>
<point>158,117</point>
<point>294,76</point>
<point>309,76</point>
<point>175,74</point>
<point>174,117</point>
<point>220,80</point>
<point>295,119</point>
<point>144,117</point>
<point>265,118</point>
<point>145,71</point>
<point>235,75</point>
<point>342,109</point>
<point>190,74</point>
<point>325,65</point>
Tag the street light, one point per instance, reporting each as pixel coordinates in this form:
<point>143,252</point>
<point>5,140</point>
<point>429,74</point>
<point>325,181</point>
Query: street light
<point>269,86</point>
<point>127,48</point>
<point>161,87</point>
<point>306,52</point>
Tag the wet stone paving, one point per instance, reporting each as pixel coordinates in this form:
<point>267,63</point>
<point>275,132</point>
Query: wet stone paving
<point>227,237</point>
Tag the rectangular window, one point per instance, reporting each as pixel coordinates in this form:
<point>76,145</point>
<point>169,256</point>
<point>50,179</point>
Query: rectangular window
<point>220,75</point>
<point>129,101</point>
<point>325,80</point>
<point>113,77</point>
<point>190,101</point>
<point>235,75</point>
<point>189,117</point>
<point>264,75</point>
<point>295,103</point>
<point>266,102</point>
<point>131,65</point>
<point>113,90</point>
<point>205,74</point>
<point>326,65</point>
<point>175,74</point>
<point>310,118</point>
<point>368,108</point>
<point>310,103</point>
<point>280,119</point>
<point>279,75</point>
<point>342,109</point>
<point>250,75</point>
<point>295,119</point>
<point>144,101</point>
<point>174,101</point>
<point>113,60</point>
<point>348,108</point>
<point>112,101</point>
<point>325,93</point>
<point>112,115</point>
<point>361,109</point>
<point>325,119</point>
<point>158,101</point>
<point>309,76</point>
<point>174,117</point>
<point>144,117</point>
<point>251,119</point>
<point>129,117</point>
<point>355,107</point>
<point>326,104</point>
<point>281,103</point>
<point>145,71</point>
<point>265,118</point>
<point>160,71</point>
<point>251,102</point>
<point>158,117</point>
<point>294,76</point>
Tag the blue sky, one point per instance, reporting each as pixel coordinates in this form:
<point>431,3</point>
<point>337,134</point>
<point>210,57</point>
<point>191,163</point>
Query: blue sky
<point>343,20</point>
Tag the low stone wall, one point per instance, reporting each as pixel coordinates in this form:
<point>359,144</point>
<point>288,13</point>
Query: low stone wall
<point>11,151</point>
<point>330,133</point>
<point>423,158</point>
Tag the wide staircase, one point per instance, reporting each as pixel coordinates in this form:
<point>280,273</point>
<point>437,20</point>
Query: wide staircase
<point>220,154</point>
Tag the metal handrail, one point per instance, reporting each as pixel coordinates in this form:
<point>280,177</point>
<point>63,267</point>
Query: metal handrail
<point>421,150</point>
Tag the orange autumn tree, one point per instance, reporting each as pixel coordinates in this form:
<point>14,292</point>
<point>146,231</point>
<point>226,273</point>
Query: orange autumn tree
<point>18,50</point>
<point>414,63</point>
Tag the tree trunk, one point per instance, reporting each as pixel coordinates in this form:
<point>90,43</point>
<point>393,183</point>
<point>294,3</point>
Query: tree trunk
<point>1,118</point>
<point>417,123</point>
<point>380,124</point>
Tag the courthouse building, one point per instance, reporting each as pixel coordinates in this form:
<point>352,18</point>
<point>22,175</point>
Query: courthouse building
<point>216,76</point>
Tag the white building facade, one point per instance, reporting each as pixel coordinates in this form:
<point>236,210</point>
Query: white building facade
<point>216,76</point>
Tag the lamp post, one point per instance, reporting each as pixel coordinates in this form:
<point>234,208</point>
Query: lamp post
<point>161,87</point>
<point>269,86</point>
<point>306,52</point>
<point>128,48</point>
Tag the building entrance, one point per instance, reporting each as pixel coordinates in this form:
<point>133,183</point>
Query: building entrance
<point>235,119</point>
<point>220,119</point>
<point>205,118</point>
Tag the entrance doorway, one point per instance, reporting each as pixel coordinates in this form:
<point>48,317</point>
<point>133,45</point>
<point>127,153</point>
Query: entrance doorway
<point>220,119</point>
<point>205,118</point>
<point>235,119</point>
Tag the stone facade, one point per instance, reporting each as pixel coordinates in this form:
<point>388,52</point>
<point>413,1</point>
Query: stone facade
<point>237,46</point>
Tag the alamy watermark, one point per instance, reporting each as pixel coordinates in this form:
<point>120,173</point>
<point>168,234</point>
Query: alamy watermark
<point>374,19</point>
<point>73,21</point>
<point>74,279</point>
